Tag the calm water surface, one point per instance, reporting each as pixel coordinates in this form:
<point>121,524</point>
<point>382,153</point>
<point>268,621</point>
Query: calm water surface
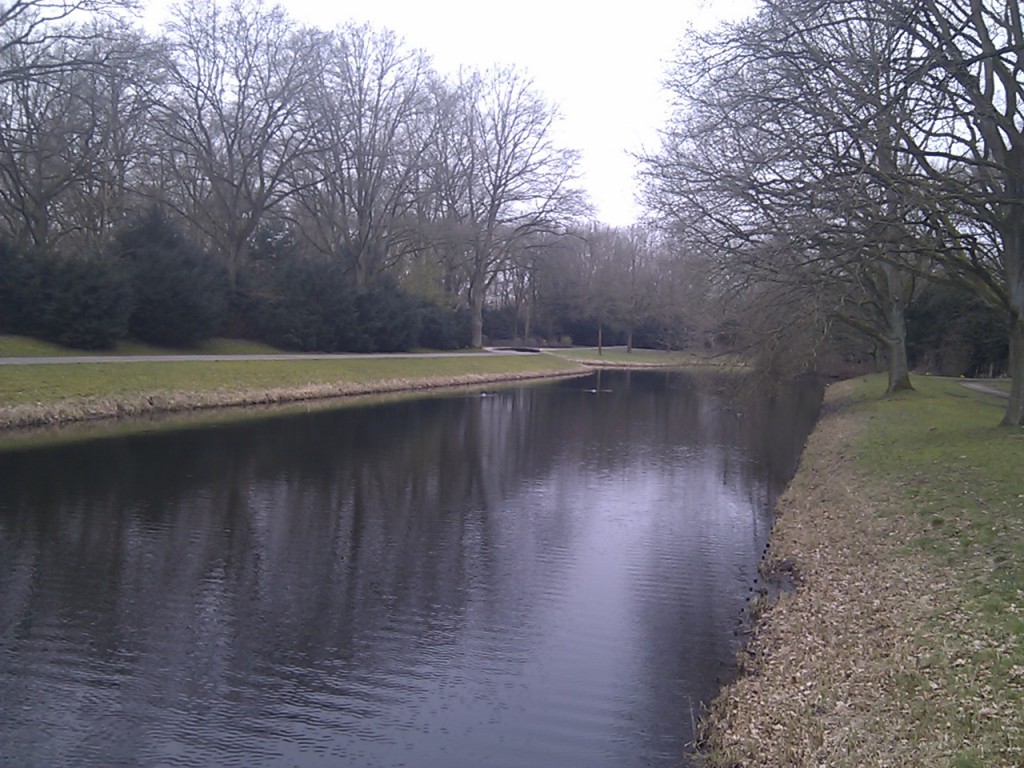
<point>546,576</point>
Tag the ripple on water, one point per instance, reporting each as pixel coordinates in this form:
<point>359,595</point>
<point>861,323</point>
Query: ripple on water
<point>544,581</point>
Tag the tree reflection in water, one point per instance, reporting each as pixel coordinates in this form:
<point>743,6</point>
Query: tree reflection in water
<point>539,576</point>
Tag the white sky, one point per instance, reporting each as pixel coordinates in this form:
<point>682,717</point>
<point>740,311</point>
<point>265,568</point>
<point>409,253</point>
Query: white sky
<point>600,62</point>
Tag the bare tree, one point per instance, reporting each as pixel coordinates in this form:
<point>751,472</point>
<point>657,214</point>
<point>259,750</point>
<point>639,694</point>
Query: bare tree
<point>40,24</point>
<point>641,253</point>
<point>971,146</point>
<point>606,278</point>
<point>373,107</point>
<point>503,180</point>
<point>69,137</point>
<point>618,275</point>
<point>906,153</point>
<point>778,165</point>
<point>232,119</point>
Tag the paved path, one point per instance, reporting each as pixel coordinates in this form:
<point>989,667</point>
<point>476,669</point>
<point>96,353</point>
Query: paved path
<point>207,358</point>
<point>978,386</point>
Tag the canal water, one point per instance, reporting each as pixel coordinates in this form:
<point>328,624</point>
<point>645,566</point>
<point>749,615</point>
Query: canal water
<point>542,576</point>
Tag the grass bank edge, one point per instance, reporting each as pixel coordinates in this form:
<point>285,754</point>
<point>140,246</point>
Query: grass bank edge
<point>619,357</point>
<point>40,395</point>
<point>935,466</point>
<point>62,433</point>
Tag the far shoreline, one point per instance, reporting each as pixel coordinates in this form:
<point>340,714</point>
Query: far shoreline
<point>50,390</point>
<point>70,411</point>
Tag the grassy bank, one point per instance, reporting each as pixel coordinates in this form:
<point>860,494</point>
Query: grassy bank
<point>902,643</point>
<point>618,357</point>
<point>34,395</point>
<point>23,346</point>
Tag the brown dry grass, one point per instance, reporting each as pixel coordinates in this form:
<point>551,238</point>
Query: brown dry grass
<point>77,409</point>
<point>880,657</point>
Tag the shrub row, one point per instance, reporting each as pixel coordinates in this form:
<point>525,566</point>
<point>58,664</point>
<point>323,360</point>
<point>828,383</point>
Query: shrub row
<point>83,302</point>
<point>312,306</point>
<point>157,287</point>
<point>952,333</point>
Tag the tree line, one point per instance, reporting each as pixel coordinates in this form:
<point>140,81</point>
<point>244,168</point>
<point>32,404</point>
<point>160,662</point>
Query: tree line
<point>846,169</point>
<point>831,178</point>
<point>241,173</point>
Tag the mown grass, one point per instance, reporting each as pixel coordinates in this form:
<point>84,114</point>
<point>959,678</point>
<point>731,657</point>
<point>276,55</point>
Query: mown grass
<point>221,347</point>
<point>41,384</point>
<point>960,478</point>
<point>23,346</point>
<point>956,470</point>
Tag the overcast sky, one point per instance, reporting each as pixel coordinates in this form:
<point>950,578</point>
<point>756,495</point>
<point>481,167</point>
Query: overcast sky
<point>601,63</point>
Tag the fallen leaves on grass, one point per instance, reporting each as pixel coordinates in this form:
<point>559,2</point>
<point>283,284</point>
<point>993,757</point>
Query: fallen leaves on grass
<point>877,657</point>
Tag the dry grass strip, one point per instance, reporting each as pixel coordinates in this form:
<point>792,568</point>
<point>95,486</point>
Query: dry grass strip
<point>94,408</point>
<point>874,659</point>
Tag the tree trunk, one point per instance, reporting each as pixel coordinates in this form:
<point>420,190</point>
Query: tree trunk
<point>896,329</point>
<point>476,317</point>
<point>600,339</point>
<point>899,372</point>
<point>896,351</point>
<point>1013,271</point>
<point>1015,408</point>
<point>359,272</point>
<point>236,256</point>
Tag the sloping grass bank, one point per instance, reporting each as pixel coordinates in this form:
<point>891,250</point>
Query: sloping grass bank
<point>24,346</point>
<point>618,357</point>
<point>36,395</point>
<point>903,643</point>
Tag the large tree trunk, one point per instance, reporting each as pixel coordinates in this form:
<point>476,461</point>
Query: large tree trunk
<point>896,350</point>
<point>899,373</point>
<point>1013,274</point>
<point>899,285</point>
<point>1015,409</point>
<point>476,317</point>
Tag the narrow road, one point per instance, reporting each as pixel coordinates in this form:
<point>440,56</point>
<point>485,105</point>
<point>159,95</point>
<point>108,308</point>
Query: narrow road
<point>978,386</point>
<point>72,359</point>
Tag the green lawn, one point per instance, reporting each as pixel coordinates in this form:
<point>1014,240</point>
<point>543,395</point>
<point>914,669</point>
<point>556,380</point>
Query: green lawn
<point>23,346</point>
<point>32,384</point>
<point>619,356</point>
<point>960,477</point>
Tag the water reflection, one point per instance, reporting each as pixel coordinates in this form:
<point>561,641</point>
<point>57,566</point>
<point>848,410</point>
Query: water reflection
<point>538,576</point>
